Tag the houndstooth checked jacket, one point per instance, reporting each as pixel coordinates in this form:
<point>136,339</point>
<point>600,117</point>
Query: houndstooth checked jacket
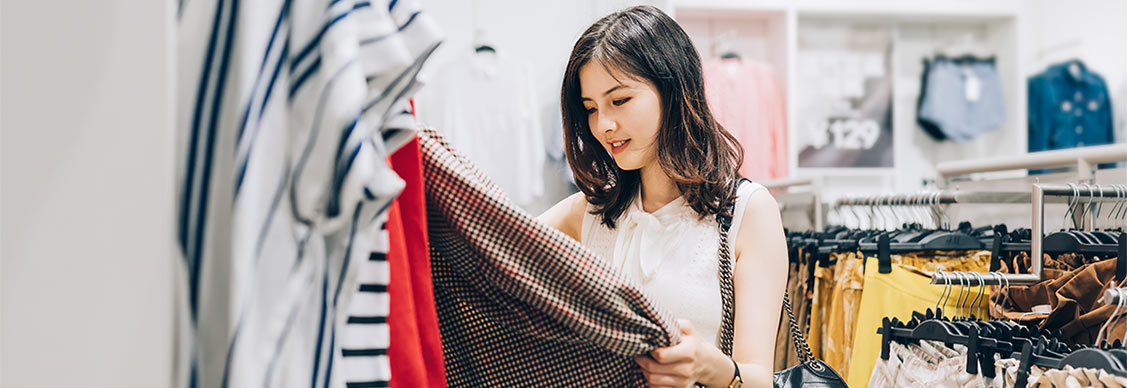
<point>520,303</point>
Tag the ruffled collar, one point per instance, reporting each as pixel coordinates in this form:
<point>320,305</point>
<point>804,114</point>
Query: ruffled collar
<point>646,240</point>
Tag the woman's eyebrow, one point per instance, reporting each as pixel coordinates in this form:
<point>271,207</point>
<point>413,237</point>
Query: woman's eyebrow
<point>609,91</point>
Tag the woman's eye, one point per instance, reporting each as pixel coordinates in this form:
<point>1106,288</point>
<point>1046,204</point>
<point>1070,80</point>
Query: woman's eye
<point>620,101</point>
<point>590,111</point>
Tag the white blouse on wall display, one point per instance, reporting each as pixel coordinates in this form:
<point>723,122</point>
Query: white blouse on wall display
<point>484,104</point>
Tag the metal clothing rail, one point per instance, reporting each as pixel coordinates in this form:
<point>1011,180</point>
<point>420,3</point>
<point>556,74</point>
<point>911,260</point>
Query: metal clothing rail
<point>930,199</point>
<point>899,199</point>
<point>1083,158</point>
<point>1040,194</point>
<point>788,182</point>
<point>936,198</point>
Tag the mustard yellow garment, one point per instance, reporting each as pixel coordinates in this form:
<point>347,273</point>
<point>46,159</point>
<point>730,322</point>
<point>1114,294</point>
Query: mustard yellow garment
<point>820,309</point>
<point>897,294</point>
<point>844,304</point>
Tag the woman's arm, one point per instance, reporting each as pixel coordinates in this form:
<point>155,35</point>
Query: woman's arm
<point>567,215</point>
<point>760,281</point>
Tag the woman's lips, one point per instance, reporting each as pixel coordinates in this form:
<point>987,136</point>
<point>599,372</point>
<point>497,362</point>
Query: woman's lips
<point>618,146</point>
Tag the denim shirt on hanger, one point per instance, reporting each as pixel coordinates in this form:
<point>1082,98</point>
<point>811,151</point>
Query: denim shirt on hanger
<point>1067,111</point>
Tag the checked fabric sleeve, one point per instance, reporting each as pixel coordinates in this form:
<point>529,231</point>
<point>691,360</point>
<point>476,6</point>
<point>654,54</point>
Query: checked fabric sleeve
<point>520,303</point>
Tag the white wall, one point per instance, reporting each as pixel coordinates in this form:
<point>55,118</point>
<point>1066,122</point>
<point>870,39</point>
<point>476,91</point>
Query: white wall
<point>1091,30</point>
<point>87,193</point>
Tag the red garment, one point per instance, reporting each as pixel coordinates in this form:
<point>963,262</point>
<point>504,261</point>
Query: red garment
<point>404,350</point>
<point>416,344</point>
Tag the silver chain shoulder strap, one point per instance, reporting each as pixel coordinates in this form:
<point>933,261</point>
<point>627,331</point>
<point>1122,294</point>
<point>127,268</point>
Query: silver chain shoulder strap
<point>727,294</point>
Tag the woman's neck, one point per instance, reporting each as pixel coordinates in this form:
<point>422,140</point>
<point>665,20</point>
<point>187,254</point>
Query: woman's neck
<point>657,188</point>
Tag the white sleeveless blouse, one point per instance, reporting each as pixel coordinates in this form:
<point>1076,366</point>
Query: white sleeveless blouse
<point>672,253</point>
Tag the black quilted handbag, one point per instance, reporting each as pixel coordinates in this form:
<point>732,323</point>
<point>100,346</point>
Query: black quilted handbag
<point>809,372</point>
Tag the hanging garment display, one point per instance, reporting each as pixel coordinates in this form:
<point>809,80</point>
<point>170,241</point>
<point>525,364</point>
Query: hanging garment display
<point>1064,331</point>
<point>520,303</point>
<point>907,288</point>
<point>845,300</point>
<point>1065,301</point>
<point>927,364</point>
<point>421,329</point>
<point>284,112</point>
<point>960,98</point>
<point>798,289</point>
<point>485,105</point>
<point>820,308</point>
<point>747,101</point>
<point>1069,106</point>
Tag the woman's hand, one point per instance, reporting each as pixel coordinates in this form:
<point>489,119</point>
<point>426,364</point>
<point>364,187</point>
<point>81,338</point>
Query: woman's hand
<point>691,361</point>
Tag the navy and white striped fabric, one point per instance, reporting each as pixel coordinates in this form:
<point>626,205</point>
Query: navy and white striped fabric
<point>365,339</point>
<point>287,111</point>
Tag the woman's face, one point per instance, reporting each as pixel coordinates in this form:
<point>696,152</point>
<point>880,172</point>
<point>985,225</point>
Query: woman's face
<point>623,113</point>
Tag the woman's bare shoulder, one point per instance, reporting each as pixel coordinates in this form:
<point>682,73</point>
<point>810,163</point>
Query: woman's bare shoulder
<point>567,215</point>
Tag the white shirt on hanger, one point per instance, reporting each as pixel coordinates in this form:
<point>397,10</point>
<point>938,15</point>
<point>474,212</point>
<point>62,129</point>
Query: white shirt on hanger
<point>484,104</point>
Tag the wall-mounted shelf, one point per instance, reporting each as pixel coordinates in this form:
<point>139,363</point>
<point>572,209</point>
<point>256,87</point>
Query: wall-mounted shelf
<point>771,30</point>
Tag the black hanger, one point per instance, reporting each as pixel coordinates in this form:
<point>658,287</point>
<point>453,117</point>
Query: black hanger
<point>965,59</point>
<point>910,233</point>
<point>1093,358</point>
<point>1000,236</point>
<point>934,330</point>
<point>1121,258</point>
<point>1106,236</point>
<point>1087,236</point>
<point>1119,354</point>
<point>936,241</point>
<point>1027,359</point>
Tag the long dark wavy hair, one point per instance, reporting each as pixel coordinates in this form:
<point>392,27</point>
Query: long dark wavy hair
<point>695,151</point>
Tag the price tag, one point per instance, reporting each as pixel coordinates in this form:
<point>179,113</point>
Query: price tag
<point>972,85</point>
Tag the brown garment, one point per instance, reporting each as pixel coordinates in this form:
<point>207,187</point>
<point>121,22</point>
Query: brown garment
<point>784,351</point>
<point>801,297</point>
<point>1072,296</point>
<point>797,287</point>
<point>519,303</point>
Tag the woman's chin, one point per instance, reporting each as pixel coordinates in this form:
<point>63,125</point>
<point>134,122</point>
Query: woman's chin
<point>627,165</point>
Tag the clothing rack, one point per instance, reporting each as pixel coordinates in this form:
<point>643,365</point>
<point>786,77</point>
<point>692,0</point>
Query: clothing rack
<point>900,199</point>
<point>929,199</point>
<point>938,197</point>
<point>1039,196</point>
<point>1085,159</point>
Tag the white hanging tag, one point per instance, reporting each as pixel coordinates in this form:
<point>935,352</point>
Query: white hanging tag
<point>972,85</point>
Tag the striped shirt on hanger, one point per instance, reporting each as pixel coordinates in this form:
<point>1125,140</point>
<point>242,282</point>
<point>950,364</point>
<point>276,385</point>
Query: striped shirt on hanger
<point>283,171</point>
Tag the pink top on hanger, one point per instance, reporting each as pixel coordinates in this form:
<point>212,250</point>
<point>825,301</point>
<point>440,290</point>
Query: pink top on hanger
<point>746,100</point>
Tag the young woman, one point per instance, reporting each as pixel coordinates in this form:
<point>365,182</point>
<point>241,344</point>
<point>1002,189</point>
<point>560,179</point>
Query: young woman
<point>655,168</point>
